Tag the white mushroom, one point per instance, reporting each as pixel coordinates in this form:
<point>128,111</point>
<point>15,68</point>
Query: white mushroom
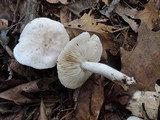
<point>40,43</point>
<point>79,60</point>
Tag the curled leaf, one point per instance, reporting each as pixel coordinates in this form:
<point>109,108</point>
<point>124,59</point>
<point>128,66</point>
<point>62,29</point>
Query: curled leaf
<point>15,94</point>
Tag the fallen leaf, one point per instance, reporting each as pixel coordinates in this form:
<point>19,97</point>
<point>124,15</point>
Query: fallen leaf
<point>14,94</point>
<point>91,99</point>
<point>6,84</point>
<point>149,14</point>
<point>78,6</point>
<point>87,23</point>
<point>42,115</point>
<point>56,1</point>
<point>128,15</point>
<point>21,69</point>
<point>143,62</point>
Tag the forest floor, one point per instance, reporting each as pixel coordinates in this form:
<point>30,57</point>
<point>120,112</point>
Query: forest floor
<point>130,36</point>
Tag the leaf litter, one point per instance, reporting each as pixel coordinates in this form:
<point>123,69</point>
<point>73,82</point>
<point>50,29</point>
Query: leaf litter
<point>139,62</point>
<point>126,27</point>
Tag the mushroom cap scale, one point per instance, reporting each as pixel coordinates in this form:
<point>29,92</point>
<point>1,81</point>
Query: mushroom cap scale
<point>80,49</point>
<point>40,43</point>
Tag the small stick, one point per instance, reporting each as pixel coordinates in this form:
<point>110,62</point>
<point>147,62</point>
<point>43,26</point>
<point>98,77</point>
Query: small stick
<point>7,48</point>
<point>66,115</point>
<point>16,11</point>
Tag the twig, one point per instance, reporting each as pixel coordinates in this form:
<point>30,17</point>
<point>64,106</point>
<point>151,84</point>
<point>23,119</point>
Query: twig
<point>67,109</point>
<point>7,48</point>
<point>123,28</point>
<point>66,115</point>
<point>16,11</point>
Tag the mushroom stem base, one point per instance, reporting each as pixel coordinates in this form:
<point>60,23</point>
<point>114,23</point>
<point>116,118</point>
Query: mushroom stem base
<point>108,72</point>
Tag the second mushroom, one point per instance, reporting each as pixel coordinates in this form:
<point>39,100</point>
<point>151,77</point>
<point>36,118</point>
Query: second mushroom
<point>40,43</point>
<point>79,60</point>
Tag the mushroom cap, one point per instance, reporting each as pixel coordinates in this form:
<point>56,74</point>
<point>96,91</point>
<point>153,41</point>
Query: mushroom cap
<point>80,49</point>
<point>40,43</point>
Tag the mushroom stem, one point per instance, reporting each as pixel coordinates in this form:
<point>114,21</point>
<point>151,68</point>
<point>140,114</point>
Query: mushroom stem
<point>107,71</point>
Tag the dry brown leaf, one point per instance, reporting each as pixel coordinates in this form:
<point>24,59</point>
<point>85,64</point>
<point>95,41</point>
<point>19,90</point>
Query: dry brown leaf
<point>14,94</point>
<point>125,13</point>
<point>91,99</point>
<point>149,14</point>
<point>42,115</point>
<point>87,23</point>
<point>21,69</point>
<point>78,6</point>
<point>10,83</point>
<point>143,62</point>
<point>56,1</point>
